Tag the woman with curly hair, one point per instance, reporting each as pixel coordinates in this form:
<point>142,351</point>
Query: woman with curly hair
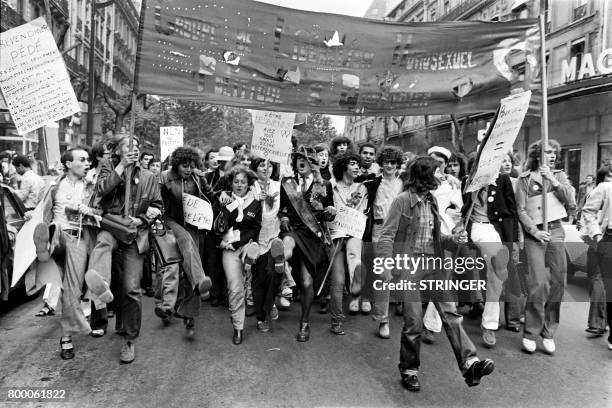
<point>182,180</point>
<point>354,195</point>
<point>244,223</point>
<point>340,145</point>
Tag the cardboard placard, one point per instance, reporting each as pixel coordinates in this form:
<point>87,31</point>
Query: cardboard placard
<point>272,135</point>
<point>197,212</point>
<point>349,221</point>
<point>170,137</point>
<point>500,141</point>
<point>33,77</point>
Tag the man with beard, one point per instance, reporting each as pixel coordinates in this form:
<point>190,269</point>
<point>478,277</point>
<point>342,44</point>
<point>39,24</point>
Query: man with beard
<point>306,203</point>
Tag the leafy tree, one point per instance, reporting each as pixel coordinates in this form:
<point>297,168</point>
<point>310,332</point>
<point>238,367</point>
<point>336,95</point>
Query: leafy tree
<point>318,128</point>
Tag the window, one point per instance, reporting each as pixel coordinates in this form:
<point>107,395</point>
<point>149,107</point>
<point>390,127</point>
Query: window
<point>446,6</point>
<point>580,9</point>
<point>577,50</point>
<point>604,155</point>
<point>432,15</point>
<point>569,161</point>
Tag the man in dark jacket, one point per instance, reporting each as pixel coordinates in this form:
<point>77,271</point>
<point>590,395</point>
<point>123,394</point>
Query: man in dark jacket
<point>145,204</point>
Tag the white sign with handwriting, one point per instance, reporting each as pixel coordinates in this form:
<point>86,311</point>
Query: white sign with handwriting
<point>272,135</point>
<point>500,141</point>
<point>170,137</point>
<point>349,221</point>
<point>33,77</point>
<point>197,212</point>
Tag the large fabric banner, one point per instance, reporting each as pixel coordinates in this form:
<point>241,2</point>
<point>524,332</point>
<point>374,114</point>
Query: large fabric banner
<point>255,55</point>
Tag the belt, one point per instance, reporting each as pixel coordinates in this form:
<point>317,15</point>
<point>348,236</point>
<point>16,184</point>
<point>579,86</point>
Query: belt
<point>556,223</point>
<point>379,221</point>
<point>481,222</point>
<point>72,232</point>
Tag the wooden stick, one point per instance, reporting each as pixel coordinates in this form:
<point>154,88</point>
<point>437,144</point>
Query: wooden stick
<point>331,264</point>
<point>544,120</point>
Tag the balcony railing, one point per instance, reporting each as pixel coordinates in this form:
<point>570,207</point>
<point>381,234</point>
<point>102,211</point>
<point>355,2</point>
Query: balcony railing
<point>61,6</point>
<point>580,12</point>
<point>462,8</point>
<point>10,18</point>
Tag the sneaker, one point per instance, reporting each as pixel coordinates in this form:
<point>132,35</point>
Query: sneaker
<point>336,328</point>
<point>529,345</point>
<point>97,333</point>
<point>252,253</point>
<point>287,292</point>
<point>164,314</point>
<point>366,307</point>
<point>411,382</point>
<point>549,346</point>
<point>41,242</point>
<point>354,306</point>
<point>488,336</point>
<point>98,286</point>
<point>277,252</point>
<point>127,353</point>
<point>284,303</point>
<point>274,313</point>
<point>263,327</point>
<point>427,336</point>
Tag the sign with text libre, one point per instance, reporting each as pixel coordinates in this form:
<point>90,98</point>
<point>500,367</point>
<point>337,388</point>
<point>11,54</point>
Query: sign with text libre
<point>349,221</point>
<point>170,137</point>
<point>505,129</point>
<point>197,212</point>
<point>272,135</point>
<point>33,77</point>
<point>260,56</point>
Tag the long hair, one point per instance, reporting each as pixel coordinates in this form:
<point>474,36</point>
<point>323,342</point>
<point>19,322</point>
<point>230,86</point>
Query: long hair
<point>535,153</point>
<point>420,175</point>
<point>462,160</point>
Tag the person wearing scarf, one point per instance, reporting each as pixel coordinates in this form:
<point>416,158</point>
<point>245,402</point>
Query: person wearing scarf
<point>244,223</point>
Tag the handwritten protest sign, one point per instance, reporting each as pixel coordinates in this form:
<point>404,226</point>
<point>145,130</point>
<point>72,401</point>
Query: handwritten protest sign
<point>349,221</point>
<point>272,135</point>
<point>197,212</point>
<point>500,141</point>
<point>33,77</point>
<point>170,137</point>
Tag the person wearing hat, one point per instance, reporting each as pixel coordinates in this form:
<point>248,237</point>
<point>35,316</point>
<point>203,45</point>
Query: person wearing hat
<point>217,181</point>
<point>306,203</point>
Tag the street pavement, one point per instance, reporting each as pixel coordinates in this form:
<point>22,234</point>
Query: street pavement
<point>273,370</point>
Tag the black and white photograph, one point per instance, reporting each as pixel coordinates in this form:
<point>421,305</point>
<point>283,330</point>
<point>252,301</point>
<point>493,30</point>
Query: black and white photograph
<point>291,203</point>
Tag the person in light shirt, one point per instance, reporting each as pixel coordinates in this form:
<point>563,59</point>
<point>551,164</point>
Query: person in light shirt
<point>31,185</point>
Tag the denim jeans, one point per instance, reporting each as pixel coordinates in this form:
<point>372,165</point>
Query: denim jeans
<point>463,348</point>
<point>597,292</point>
<point>234,272</point>
<point>547,266</point>
<point>130,264</point>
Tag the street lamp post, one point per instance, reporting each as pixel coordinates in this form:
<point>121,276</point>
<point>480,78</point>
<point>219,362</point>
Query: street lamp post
<point>91,93</point>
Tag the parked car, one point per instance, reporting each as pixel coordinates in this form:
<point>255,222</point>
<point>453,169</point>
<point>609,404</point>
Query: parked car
<point>12,218</point>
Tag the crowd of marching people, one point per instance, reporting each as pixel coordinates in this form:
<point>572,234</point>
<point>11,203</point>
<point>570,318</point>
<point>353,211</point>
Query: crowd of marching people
<point>273,242</point>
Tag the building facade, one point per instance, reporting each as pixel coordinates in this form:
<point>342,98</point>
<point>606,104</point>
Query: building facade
<point>116,29</point>
<point>579,73</point>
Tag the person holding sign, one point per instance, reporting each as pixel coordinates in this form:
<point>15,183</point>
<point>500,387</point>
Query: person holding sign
<point>413,228</point>
<point>182,190</point>
<point>306,203</point>
<point>545,250</point>
<point>243,216</point>
<point>353,195</point>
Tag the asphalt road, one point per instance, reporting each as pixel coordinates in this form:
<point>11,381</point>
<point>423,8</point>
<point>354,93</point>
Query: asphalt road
<point>273,370</point>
